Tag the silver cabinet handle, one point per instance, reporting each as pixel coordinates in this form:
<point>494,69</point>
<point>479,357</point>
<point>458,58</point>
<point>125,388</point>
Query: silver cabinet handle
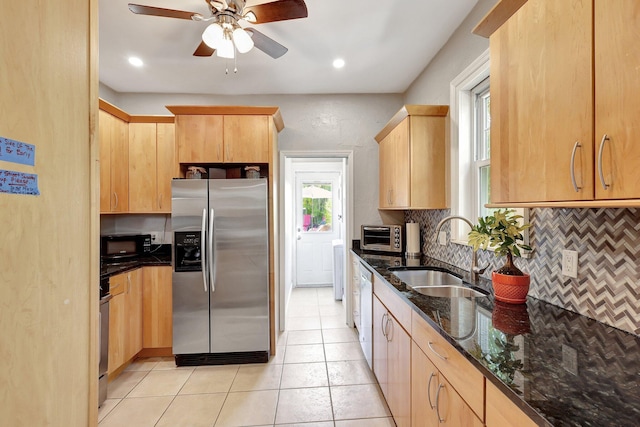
<point>212,259</point>
<point>433,374</point>
<point>389,335</point>
<point>437,354</point>
<point>440,387</point>
<point>129,283</point>
<point>573,169</point>
<point>383,326</point>
<point>604,184</point>
<point>203,236</point>
<point>115,198</point>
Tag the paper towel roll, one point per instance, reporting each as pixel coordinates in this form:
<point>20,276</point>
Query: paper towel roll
<point>413,238</point>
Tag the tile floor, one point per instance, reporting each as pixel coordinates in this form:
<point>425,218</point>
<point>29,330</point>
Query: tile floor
<point>318,378</point>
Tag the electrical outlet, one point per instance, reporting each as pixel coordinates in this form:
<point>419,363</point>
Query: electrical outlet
<point>570,359</point>
<point>570,263</point>
<point>442,238</point>
<point>155,237</point>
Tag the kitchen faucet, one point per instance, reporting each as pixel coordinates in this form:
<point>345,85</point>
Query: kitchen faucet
<point>475,270</point>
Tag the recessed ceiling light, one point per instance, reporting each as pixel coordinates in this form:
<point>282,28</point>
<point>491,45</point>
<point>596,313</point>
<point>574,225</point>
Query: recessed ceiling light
<point>338,63</point>
<point>135,61</point>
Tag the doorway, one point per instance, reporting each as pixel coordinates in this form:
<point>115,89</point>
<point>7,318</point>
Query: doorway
<point>315,216</point>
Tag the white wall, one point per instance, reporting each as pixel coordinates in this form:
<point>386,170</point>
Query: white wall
<point>312,123</point>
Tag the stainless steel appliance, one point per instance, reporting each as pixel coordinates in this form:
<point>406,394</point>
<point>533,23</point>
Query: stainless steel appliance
<point>365,329</point>
<point>220,276</point>
<point>103,340</point>
<point>116,247</point>
<point>382,238</point>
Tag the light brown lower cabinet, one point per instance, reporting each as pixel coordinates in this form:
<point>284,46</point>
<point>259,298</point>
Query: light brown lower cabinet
<point>133,311</point>
<point>125,318</point>
<point>392,362</point>
<point>117,328</point>
<point>501,411</point>
<point>157,319</point>
<point>434,402</point>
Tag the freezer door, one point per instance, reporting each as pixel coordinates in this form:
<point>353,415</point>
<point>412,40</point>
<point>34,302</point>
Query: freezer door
<point>190,288</point>
<point>240,271</point>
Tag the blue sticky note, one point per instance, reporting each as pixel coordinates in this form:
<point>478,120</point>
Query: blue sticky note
<point>17,152</point>
<point>18,183</point>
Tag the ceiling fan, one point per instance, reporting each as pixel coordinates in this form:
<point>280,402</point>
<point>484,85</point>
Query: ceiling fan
<point>225,35</point>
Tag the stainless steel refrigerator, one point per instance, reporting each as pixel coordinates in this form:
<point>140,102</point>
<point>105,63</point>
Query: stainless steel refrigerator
<point>220,261</point>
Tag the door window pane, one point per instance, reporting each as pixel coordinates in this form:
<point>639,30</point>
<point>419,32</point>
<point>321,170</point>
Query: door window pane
<point>317,207</point>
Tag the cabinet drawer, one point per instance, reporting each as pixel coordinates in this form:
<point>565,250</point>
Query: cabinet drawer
<point>117,284</point>
<point>400,309</point>
<point>462,375</point>
<point>501,411</point>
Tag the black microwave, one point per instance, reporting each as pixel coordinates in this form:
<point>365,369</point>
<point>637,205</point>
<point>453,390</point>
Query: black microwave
<point>382,238</point>
<point>118,246</point>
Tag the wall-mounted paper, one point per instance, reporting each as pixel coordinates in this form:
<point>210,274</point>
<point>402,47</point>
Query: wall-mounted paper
<point>17,152</point>
<point>18,183</point>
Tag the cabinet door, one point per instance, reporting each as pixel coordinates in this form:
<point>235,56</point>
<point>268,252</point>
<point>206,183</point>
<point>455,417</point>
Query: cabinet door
<point>542,103</point>
<point>133,311</point>
<point>117,331</point>
<point>120,166</point>
<point>199,139</point>
<point>399,373</point>
<point>451,409</point>
<point>380,317</point>
<point>394,168</point>
<point>246,139</point>
<point>105,129</point>
<point>157,327</point>
<point>166,164</point>
<point>142,167</point>
<point>424,384</point>
<point>501,411</point>
<point>428,166</point>
<point>617,68</point>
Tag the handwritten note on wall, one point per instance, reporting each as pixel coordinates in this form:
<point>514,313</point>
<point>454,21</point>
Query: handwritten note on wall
<point>18,183</point>
<point>17,152</point>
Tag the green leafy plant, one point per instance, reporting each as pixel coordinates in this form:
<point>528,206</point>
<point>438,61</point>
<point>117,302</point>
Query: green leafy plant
<point>502,232</point>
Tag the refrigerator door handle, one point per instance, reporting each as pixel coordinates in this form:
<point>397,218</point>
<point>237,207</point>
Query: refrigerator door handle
<point>203,264</point>
<point>210,255</point>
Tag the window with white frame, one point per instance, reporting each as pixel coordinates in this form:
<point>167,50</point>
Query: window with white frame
<point>481,140</point>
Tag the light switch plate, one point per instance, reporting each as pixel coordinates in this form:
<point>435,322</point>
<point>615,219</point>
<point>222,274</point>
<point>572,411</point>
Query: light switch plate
<point>570,263</point>
<point>155,237</point>
<point>442,238</point>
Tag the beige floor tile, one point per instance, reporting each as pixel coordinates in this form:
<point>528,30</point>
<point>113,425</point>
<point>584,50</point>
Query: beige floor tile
<point>358,401</point>
<point>138,412</point>
<point>312,336</point>
<point>161,383</point>
<point>301,375</point>
<point>303,323</point>
<point>210,379</point>
<point>278,359</point>
<point>343,351</point>
<point>368,422</point>
<point>124,383</point>
<point>248,408</point>
<point>195,410</point>
<point>304,405</point>
<point>282,338</point>
<point>107,406</point>
<point>307,353</point>
<point>330,336</point>
<point>350,372</point>
<point>257,377</point>
<point>145,364</point>
<point>331,310</point>
<point>333,322</point>
<point>319,424</point>
<point>302,310</point>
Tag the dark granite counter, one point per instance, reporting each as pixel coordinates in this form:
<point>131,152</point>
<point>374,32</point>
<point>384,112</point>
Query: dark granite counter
<point>559,367</point>
<point>160,255</point>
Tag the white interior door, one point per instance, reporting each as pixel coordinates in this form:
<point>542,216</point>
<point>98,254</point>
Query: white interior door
<point>318,216</point>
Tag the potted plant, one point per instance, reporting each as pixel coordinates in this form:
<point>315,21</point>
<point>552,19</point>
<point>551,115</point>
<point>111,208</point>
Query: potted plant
<point>502,232</point>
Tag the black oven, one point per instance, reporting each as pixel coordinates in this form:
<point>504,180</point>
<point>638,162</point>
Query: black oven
<point>116,247</point>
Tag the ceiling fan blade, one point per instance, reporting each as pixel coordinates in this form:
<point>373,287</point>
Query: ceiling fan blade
<point>280,10</point>
<point>266,44</point>
<point>158,11</point>
<point>204,49</point>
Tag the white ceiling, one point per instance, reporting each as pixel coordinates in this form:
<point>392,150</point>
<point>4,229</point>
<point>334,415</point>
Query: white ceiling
<point>386,45</point>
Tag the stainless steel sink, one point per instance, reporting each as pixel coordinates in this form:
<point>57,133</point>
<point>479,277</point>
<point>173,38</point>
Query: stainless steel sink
<point>415,278</point>
<point>448,291</point>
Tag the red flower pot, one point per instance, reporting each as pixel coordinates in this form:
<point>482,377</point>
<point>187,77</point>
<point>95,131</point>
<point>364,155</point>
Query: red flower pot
<point>512,319</point>
<point>509,288</point>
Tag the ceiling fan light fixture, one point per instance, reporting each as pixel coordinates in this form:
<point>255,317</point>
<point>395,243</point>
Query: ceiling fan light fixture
<point>213,35</point>
<point>250,17</point>
<point>243,41</point>
<point>225,49</point>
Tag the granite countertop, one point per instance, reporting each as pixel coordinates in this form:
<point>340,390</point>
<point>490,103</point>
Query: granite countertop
<point>559,367</point>
<point>160,255</point>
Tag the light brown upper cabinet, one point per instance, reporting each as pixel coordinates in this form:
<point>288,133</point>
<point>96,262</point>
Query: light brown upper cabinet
<point>213,134</point>
<point>564,105</point>
<point>114,161</point>
<point>413,159</point>
<point>151,166</point>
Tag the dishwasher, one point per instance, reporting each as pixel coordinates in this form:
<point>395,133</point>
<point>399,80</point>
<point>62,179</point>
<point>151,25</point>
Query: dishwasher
<point>365,331</point>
